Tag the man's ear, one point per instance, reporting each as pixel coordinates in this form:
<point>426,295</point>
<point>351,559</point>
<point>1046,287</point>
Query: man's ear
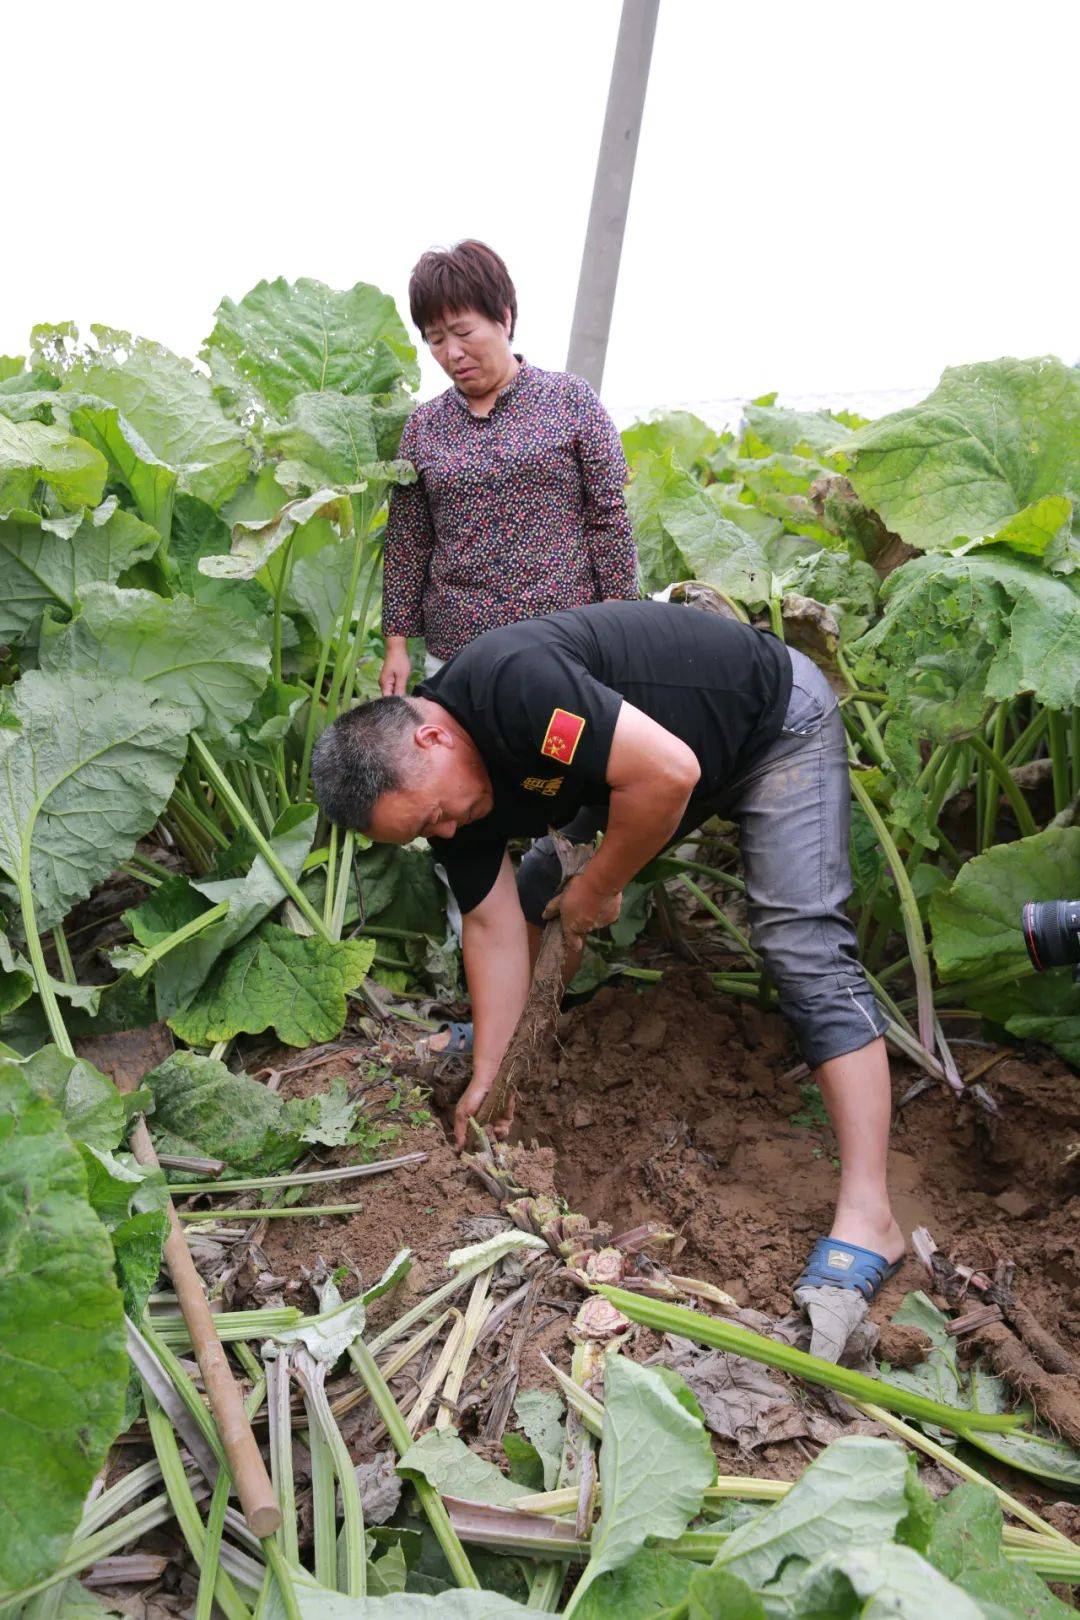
<point>431,735</point>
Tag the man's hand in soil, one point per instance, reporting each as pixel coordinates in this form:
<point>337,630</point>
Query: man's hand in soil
<point>495,946</point>
<point>583,908</point>
<point>469,1104</point>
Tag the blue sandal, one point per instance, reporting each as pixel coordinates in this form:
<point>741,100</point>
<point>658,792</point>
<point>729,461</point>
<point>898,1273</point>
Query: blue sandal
<point>460,1043</point>
<point>836,1264</point>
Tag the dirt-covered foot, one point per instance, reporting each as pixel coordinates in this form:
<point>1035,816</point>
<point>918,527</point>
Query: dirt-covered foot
<point>870,1229</point>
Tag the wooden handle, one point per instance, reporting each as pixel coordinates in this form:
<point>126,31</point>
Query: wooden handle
<point>246,1464</point>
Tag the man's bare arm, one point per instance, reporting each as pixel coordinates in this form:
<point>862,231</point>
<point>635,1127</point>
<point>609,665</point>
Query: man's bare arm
<point>651,774</point>
<point>495,945</point>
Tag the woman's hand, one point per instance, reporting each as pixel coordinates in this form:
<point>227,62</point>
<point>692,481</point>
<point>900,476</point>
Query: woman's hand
<point>583,909</point>
<point>396,668</point>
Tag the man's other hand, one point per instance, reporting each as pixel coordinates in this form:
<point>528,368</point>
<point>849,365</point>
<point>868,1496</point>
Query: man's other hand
<point>583,909</point>
<point>468,1105</point>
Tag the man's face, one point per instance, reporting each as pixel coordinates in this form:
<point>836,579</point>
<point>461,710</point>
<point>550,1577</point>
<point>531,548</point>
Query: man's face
<point>445,787</point>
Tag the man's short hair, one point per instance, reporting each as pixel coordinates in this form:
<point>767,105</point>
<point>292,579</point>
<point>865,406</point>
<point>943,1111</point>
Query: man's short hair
<point>448,281</point>
<point>361,757</point>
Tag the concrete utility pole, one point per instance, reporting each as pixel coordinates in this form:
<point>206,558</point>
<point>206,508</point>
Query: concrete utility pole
<point>611,191</point>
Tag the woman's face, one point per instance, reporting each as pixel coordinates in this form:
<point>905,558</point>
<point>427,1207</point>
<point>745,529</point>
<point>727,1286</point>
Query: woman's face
<point>472,349</point>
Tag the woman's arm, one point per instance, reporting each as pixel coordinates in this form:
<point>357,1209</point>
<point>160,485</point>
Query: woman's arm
<point>410,539</point>
<point>607,523</point>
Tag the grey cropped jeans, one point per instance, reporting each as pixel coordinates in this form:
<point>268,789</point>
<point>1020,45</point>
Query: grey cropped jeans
<point>793,811</point>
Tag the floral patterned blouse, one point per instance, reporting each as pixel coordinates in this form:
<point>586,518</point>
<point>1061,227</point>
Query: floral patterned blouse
<point>513,515</point>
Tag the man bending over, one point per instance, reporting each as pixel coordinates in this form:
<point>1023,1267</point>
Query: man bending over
<point>648,718</point>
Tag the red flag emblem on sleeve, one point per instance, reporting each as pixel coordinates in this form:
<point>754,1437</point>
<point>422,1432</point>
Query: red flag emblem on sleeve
<point>562,736</point>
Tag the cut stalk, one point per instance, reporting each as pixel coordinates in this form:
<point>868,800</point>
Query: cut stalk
<point>476,1314</point>
<point>311,1375</point>
<point>711,1330</point>
<point>243,819</point>
<point>1058,743</point>
<point>363,1360</point>
<point>281,1461</point>
<point>300,1178</point>
<point>172,1329</point>
<point>224,1216</point>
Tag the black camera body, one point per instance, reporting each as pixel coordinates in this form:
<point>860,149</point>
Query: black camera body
<point>1052,934</point>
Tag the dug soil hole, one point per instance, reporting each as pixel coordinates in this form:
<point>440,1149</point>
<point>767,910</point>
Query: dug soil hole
<point>672,1103</point>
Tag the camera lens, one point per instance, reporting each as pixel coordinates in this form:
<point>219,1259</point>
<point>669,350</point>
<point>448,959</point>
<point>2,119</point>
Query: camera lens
<point>1052,932</point>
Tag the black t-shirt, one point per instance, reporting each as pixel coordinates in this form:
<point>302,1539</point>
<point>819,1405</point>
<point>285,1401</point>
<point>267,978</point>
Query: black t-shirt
<point>540,700</point>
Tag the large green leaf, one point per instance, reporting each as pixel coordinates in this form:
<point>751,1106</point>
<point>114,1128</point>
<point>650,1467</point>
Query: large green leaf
<point>655,1464</point>
<point>283,339</point>
<point>200,658</point>
<point>691,440</point>
<point>32,453</point>
<point>84,774</point>
<point>168,403</point>
<point>197,532</point>
<point>151,484</point>
<point>768,429</point>
<point>855,1492</point>
<point>682,534</point>
<point>255,543</point>
<point>342,439</point>
<point>87,1100</point>
<point>989,441</point>
<point>45,569</point>
<point>281,981</point>
<point>400,889</point>
<point>250,899</point>
<point>965,1545</point>
<point>883,1582</point>
<point>977,930</point>
<point>63,1367</point>
<point>642,1589</point>
<point>202,1104</point>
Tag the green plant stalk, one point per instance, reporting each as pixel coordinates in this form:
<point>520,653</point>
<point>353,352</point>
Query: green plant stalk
<point>424,1307</point>
<point>331,863</point>
<point>185,1388</point>
<point>959,989</point>
<point>193,852</point>
<point>283,1576</point>
<point>323,1508</point>
<point>279,592</point>
<point>63,955</point>
<point>42,978</point>
<point>867,720</point>
<point>154,953</point>
<point>299,1178</point>
<point>1004,779</point>
<point>341,645</point>
<point>312,719</point>
<point>1058,743</point>
<point>203,823</point>
<point>363,1359</point>
<point>225,1215</point>
<point>1074,750</point>
<point>675,865</point>
<point>337,915</point>
<point>909,908</point>
<point>1029,739</point>
<point>321,1418</point>
<point>281,1461</point>
<point>711,1330</point>
<point>215,1522</point>
<point>87,1550</point>
<point>946,1459</point>
<point>171,1329</point>
<point>726,924</point>
<point>111,1501</point>
<point>361,630</point>
<point>243,820</point>
<point>183,1505</point>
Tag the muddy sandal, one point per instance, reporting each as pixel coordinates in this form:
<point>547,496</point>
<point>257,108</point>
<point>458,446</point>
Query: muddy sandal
<point>836,1264</point>
<point>460,1043</point>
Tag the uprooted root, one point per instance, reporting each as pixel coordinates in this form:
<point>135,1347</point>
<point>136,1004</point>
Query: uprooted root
<point>1055,1396</point>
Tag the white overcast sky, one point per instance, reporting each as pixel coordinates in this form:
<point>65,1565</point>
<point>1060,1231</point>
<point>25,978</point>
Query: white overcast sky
<point>830,198</point>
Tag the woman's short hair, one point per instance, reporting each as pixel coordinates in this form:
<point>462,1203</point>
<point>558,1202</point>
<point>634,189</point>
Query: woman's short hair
<point>450,280</point>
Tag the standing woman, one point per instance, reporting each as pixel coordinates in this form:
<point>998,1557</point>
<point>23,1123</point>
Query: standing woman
<point>518,508</point>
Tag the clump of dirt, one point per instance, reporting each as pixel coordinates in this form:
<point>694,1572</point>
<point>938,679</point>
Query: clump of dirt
<point>675,1104</point>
